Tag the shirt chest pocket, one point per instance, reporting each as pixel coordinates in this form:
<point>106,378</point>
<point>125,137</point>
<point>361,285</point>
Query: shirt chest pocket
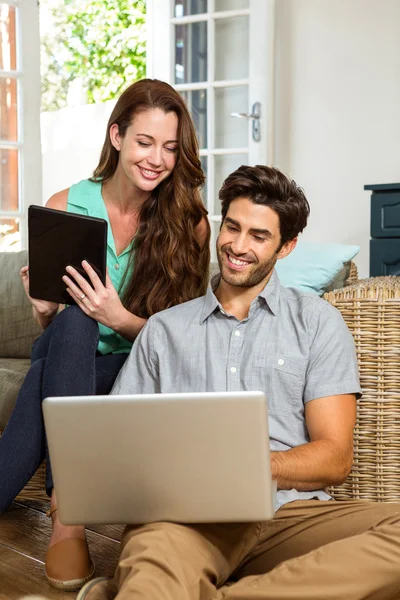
<point>281,378</point>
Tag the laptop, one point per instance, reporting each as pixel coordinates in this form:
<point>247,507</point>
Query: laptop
<point>185,458</point>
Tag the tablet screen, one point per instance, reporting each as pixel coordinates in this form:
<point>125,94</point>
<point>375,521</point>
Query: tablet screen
<point>58,239</point>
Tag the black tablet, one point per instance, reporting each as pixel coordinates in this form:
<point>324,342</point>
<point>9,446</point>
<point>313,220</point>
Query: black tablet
<point>58,239</point>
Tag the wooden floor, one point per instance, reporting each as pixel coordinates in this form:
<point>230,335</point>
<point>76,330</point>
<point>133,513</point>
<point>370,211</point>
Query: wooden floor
<point>24,534</point>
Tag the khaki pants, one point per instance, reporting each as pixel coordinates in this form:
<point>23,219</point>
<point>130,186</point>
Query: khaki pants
<point>311,550</point>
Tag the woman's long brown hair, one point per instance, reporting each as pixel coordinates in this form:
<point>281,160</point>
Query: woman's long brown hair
<point>170,267</point>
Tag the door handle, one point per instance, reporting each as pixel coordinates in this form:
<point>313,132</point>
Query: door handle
<point>255,115</point>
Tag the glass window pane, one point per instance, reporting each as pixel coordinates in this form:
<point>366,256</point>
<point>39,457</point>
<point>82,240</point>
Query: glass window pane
<point>224,166</point>
<point>204,164</point>
<point>8,109</point>
<point>8,54</point>
<point>10,235</point>
<point>231,48</point>
<point>8,179</point>
<point>197,103</point>
<point>230,4</point>
<point>231,132</point>
<point>191,53</point>
<point>190,7</point>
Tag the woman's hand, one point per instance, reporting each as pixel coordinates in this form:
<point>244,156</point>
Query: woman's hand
<point>100,302</point>
<point>44,308</point>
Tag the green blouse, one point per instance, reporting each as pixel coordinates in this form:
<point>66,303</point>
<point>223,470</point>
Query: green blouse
<point>84,198</point>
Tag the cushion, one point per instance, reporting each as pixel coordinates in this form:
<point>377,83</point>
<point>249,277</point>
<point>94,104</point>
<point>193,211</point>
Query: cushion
<point>17,327</point>
<point>341,278</point>
<point>312,267</point>
<point>12,373</point>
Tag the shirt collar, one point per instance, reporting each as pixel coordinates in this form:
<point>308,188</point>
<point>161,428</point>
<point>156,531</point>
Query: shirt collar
<point>270,294</point>
<point>210,301</point>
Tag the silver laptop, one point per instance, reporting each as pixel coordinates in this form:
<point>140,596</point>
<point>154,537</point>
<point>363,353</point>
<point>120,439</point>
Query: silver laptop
<point>189,458</point>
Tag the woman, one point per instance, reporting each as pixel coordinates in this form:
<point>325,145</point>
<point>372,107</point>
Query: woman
<point>146,186</point>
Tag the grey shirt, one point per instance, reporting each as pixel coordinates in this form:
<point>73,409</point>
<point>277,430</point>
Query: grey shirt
<point>293,346</point>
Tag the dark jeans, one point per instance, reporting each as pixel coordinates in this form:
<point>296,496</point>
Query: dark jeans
<point>65,362</point>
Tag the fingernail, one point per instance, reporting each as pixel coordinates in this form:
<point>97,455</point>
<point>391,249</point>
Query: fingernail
<point>84,262</point>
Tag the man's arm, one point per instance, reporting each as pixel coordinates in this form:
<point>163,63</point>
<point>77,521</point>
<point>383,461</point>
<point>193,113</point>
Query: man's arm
<point>330,409</point>
<point>328,457</point>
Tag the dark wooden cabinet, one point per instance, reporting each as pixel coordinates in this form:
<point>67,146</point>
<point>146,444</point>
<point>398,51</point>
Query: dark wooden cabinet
<point>385,229</point>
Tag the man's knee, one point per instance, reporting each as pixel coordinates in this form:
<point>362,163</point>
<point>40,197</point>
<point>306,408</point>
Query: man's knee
<point>167,557</point>
<point>162,533</point>
<point>191,543</point>
<point>217,548</point>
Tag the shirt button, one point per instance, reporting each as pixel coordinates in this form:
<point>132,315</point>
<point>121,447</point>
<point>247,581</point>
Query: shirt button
<point>116,266</point>
<point>233,369</point>
<point>237,333</point>
<point>281,362</point>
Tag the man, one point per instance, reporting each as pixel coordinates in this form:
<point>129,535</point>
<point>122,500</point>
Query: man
<point>248,333</point>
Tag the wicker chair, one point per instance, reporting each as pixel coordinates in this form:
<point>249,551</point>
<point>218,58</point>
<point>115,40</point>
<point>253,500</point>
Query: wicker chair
<point>371,309</point>
<point>353,275</point>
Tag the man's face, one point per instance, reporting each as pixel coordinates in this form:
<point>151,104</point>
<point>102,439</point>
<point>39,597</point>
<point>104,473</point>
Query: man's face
<point>248,244</point>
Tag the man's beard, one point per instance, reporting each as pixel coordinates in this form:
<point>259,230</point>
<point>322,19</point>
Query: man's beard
<point>254,275</point>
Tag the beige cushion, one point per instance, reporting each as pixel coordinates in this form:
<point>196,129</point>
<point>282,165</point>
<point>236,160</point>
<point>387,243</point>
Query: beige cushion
<point>17,327</point>
<point>12,373</point>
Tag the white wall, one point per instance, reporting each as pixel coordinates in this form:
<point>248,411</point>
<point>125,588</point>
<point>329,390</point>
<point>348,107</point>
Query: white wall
<point>338,109</point>
<point>72,139</point>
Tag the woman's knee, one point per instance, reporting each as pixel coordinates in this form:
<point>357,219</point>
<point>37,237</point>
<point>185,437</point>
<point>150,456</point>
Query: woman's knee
<point>73,318</point>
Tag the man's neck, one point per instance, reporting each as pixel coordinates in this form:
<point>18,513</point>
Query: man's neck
<point>236,300</point>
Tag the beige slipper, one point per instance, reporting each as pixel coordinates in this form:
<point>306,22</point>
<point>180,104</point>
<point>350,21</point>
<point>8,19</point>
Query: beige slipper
<point>68,565</point>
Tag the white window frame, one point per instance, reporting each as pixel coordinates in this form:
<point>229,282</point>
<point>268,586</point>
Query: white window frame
<point>160,65</point>
<point>27,75</point>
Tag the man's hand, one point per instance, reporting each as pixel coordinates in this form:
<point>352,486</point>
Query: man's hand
<point>328,457</point>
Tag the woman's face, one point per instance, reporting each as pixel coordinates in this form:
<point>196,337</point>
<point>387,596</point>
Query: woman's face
<point>148,151</point>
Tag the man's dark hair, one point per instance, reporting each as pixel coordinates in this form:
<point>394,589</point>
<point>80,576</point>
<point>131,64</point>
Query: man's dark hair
<point>270,187</point>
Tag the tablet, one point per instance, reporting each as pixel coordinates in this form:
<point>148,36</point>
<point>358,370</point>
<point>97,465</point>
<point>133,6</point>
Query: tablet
<point>57,239</point>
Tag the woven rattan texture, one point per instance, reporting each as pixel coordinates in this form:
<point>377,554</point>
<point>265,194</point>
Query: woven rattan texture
<point>353,275</point>
<point>371,309</point>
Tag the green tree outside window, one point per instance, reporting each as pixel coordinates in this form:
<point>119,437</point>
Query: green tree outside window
<point>101,42</point>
